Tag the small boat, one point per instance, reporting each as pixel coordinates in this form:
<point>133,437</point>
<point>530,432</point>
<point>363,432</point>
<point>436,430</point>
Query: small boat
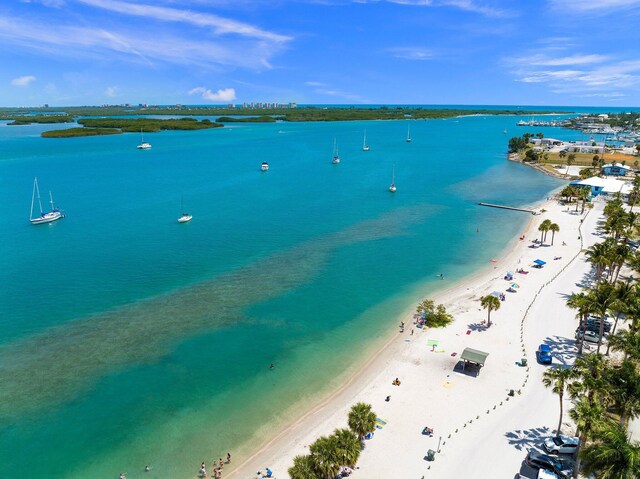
<point>408,140</point>
<point>264,166</point>
<point>143,144</point>
<point>53,215</point>
<point>365,147</point>
<point>186,217</point>
<point>504,131</point>
<point>336,157</point>
<point>392,188</point>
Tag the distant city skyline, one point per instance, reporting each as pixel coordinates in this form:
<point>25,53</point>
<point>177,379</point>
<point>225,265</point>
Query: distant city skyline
<point>219,52</point>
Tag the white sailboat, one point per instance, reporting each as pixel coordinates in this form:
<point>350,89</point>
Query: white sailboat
<point>336,157</point>
<point>186,217</point>
<point>143,144</point>
<point>408,134</point>
<point>392,188</point>
<point>365,147</point>
<point>53,215</point>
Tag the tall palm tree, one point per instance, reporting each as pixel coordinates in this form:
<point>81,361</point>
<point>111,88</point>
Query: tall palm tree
<point>598,255</point>
<point>557,379</point>
<point>490,303</point>
<point>361,419</point>
<point>349,446</point>
<point>625,390</point>
<point>571,158</point>
<point>624,294</point>
<point>581,302</point>
<point>613,455</point>
<point>324,454</point>
<point>587,415</point>
<point>554,228</point>
<point>601,298</point>
<point>544,227</point>
<point>628,342</point>
<point>589,373</point>
<point>303,468</point>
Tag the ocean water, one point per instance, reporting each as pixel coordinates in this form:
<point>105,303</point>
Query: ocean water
<point>128,339</point>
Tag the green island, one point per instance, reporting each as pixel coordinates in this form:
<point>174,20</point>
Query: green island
<point>114,126</point>
<point>27,120</point>
<point>73,132</point>
<point>252,119</point>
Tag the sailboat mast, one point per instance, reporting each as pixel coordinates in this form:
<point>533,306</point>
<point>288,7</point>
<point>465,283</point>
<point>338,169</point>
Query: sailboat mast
<point>51,200</point>
<point>38,192</point>
<point>33,197</point>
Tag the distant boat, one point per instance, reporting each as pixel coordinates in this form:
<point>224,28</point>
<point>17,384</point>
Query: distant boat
<point>143,144</point>
<point>365,147</point>
<point>264,166</point>
<point>336,157</point>
<point>504,131</point>
<point>53,215</point>
<point>392,188</point>
<point>186,217</point>
<point>408,134</point>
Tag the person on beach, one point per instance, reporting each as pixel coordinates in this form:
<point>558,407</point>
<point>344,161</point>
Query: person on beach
<point>123,475</point>
<point>228,457</point>
<point>147,468</point>
<point>441,276</point>
<point>271,366</point>
<point>203,471</point>
<point>220,464</point>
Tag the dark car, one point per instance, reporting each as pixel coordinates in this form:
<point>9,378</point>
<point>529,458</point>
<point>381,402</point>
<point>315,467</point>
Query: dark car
<point>559,466</point>
<point>544,354</point>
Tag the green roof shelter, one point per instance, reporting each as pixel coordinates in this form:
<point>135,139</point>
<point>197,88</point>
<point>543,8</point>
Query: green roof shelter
<point>474,357</point>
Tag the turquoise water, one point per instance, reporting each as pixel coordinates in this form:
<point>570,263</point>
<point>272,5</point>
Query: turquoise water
<point>128,339</point>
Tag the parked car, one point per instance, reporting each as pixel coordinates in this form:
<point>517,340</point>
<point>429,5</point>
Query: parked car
<point>595,323</point>
<point>561,444</point>
<point>559,466</point>
<point>544,354</point>
<point>589,336</point>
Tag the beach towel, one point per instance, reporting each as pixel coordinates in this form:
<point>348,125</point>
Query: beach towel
<point>380,423</point>
<point>432,342</point>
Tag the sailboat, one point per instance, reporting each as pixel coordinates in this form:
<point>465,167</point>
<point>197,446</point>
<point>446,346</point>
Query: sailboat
<point>186,217</point>
<point>264,166</point>
<point>392,188</point>
<point>408,134</point>
<point>336,157</point>
<point>53,215</point>
<point>143,145</point>
<point>365,147</point>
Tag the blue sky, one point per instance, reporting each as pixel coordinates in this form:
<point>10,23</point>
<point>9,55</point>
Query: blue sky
<point>527,52</point>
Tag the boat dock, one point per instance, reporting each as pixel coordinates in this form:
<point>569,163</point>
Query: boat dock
<point>504,207</point>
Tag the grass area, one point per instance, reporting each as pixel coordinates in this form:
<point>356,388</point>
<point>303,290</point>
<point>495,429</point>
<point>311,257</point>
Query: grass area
<point>586,159</point>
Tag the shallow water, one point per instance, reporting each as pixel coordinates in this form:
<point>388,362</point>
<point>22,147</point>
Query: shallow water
<point>129,339</point>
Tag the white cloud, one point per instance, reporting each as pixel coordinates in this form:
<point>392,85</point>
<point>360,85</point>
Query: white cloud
<point>111,91</point>
<point>314,83</point>
<point>595,6</point>
<point>220,25</point>
<point>23,80</point>
<point>473,6</point>
<point>543,60</point>
<point>223,95</point>
<point>412,53</point>
<point>136,45</point>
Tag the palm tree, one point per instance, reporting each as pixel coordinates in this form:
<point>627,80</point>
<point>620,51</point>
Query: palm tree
<point>570,159</point>
<point>490,303</point>
<point>625,390</point>
<point>361,420</point>
<point>601,298</point>
<point>554,228</point>
<point>581,302</point>
<point>587,416</point>
<point>624,293</point>
<point>589,373</point>
<point>562,154</point>
<point>628,342</point>
<point>303,468</point>
<point>557,379</point>
<point>324,454</point>
<point>349,446</point>
<point>613,455</point>
<point>598,255</point>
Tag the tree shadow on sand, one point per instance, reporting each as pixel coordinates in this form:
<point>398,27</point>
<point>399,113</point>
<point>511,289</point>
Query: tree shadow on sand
<point>563,350</point>
<point>525,439</point>
<point>481,326</point>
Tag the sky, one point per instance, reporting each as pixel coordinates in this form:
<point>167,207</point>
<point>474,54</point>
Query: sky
<point>212,52</point>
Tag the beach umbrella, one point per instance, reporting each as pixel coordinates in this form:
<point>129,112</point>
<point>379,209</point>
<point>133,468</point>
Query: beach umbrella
<point>509,273</point>
<point>540,262</point>
<point>515,285</point>
<point>494,260</point>
<point>497,294</point>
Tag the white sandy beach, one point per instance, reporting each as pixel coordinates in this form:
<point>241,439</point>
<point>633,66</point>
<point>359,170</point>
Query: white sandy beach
<point>482,431</point>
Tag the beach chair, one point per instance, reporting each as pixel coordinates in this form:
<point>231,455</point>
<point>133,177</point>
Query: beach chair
<point>431,455</point>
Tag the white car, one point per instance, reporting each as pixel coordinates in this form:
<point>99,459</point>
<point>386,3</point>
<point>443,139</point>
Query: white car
<point>561,445</point>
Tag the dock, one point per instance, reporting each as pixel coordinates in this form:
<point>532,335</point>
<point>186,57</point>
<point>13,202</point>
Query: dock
<point>505,207</point>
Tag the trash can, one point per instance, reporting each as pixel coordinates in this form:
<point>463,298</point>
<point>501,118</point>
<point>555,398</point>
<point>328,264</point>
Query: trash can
<point>431,455</point>
<point>523,362</point>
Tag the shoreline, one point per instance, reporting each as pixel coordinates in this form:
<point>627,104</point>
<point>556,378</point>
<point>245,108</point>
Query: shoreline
<point>375,358</point>
<point>515,157</point>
